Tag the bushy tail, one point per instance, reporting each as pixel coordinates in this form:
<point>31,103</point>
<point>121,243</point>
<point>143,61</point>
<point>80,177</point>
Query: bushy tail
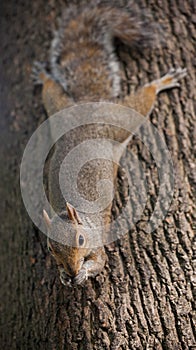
<point>129,25</point>
<point>100,22</point>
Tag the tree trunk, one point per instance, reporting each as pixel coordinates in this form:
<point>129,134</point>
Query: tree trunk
<point>144,298</point>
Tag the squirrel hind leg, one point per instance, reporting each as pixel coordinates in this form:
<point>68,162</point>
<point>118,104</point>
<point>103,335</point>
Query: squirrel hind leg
<point>169,80</point>
<point>143,100</point>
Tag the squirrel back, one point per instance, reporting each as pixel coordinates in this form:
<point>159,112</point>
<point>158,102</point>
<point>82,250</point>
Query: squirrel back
<point>83,58</point>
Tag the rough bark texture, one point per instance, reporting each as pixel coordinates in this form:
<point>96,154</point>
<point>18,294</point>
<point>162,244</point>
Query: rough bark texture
<point>144,299</point>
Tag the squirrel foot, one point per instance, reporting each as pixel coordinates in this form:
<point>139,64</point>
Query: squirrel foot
<point>39,73</point>
<point>171,79</point>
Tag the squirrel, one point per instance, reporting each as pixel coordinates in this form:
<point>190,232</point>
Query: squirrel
<point>84,67</point>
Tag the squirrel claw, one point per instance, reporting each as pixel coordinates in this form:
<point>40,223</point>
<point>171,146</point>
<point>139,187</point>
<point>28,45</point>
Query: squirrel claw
<point>177,74</point>
<point>170,80</point>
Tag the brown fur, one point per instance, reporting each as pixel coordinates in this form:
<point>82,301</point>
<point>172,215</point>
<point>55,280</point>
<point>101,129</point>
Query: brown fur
<point>85,68</point>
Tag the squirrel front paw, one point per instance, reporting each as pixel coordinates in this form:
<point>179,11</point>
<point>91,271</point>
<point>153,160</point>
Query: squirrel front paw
<point>64,277</point>
<point>81,277</point>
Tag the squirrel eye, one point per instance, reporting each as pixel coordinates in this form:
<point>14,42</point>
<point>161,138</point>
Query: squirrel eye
<point>81,240</point>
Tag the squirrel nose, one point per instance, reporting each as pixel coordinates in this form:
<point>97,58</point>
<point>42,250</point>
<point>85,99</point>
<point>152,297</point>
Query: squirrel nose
<point>72,270</point>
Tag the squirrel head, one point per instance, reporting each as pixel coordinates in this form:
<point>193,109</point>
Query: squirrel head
<point>70,257</point>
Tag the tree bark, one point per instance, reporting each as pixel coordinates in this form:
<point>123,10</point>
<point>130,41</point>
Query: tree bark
<point>144,298</point>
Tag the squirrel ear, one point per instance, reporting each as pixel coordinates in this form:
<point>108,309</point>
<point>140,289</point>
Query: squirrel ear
<point>72,213</point>
<point>46,219</point>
